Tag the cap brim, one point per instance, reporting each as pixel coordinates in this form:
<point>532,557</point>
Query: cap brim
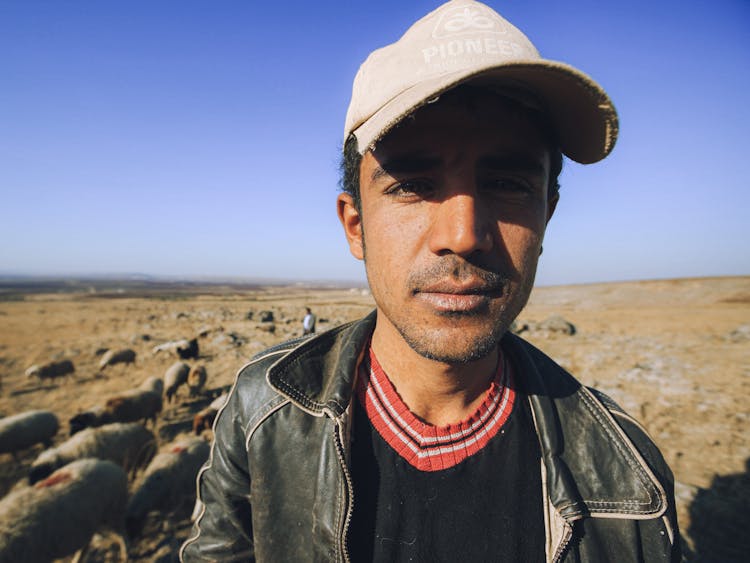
<point>581,112</point>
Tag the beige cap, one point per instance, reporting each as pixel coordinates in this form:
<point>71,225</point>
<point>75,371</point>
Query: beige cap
<point>463,40</point>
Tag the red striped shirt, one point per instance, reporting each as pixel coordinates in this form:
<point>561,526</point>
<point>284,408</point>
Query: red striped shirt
<point>424,446</point>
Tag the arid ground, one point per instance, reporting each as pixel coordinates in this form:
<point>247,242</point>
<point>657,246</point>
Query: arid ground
<point>675,353</point>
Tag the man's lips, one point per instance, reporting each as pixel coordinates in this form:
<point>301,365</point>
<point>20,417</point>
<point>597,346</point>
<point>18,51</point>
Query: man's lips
<point>452,296</point>
<point>469,287</point>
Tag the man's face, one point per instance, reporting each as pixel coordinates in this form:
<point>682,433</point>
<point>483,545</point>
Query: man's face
<point>453,210</point>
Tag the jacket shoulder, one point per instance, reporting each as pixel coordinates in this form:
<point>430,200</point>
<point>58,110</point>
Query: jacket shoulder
<point>281,348</point>
<point>638,435</point>
<point>255,370</point>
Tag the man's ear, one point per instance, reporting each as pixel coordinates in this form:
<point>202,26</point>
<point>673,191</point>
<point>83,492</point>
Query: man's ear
<point>352,223</point>
<point>552,205</point>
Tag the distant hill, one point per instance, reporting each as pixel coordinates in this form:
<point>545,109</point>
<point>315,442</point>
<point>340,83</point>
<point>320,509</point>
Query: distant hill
<point>133,285</point>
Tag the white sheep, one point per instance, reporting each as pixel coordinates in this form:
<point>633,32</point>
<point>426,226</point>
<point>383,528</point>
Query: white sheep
<point>112,357</point>
<point>128,445</point>
<point>51,370</point>
<point>175,376</point>
<point>196,379</point>
<point>168,482</point>
<point>171,346</point>
<point>26,429</point>
<point>57,516</point>
<point>184,348</point>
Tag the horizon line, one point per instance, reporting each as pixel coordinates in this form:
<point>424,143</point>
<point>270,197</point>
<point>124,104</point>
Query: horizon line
<point>133,277</point>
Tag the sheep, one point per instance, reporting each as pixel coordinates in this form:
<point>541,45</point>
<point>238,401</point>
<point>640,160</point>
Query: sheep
<point>184,348</point>
<point>92,418</point>
<point>196,379</point>
<point>167,483</point>
<point>175,376</point>
<point>57,516</point>
<point>51,370</point>
<point>170,346</point>
<point>189,351</point>
<point>112,357</point>
<point>26,429</point>
<point>129,406</point>
<point>127,444</point>
<point>134,405</point>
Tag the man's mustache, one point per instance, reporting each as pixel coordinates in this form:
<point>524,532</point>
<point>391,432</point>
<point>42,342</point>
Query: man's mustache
<point>454,270</point>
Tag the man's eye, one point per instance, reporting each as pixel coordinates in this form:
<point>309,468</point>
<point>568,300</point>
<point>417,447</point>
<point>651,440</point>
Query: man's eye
<point>507,186</point>
<point>410,188</point>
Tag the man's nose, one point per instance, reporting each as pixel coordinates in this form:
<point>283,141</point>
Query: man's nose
<point>460,226</point>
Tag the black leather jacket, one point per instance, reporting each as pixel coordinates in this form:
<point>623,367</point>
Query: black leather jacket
<point>277,486</point>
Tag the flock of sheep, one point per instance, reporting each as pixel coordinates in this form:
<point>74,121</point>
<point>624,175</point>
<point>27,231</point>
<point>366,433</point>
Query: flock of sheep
<point>90,483</point>
<point>99,454</point>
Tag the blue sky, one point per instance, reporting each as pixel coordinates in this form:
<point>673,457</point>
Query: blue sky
<point>187,138</point>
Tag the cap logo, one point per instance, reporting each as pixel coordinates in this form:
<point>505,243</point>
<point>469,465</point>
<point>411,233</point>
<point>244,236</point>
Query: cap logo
<point>463,20</point>
<point>466,34</point>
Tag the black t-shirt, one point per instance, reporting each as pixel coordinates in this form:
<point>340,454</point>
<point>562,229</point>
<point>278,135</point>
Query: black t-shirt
<point>488,507</point>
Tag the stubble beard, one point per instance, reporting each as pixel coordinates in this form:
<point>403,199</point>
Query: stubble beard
<point>450,346</point>
<point>478,347</point>
<point>438,342</point>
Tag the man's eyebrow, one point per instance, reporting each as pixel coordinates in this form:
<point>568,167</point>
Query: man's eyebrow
<point>406,164</point>
<point>521,162</point>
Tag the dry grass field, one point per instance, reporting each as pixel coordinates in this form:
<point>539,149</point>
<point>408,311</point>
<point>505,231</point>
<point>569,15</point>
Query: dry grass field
<point>674,353</point>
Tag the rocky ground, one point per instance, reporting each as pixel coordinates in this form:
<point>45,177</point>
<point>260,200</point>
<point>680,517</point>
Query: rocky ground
<point>675,353</point>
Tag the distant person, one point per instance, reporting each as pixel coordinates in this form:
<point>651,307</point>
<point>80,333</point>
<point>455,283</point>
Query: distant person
<point>427,431</point>
<point>308,323</point>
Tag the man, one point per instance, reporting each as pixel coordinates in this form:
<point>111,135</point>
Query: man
<point>308,323</point>
<point>426,431</point>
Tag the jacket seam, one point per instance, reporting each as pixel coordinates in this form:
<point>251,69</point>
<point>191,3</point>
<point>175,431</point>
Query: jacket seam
<point>670,530</point>
<point>269,408</point>
<point>633,421</point>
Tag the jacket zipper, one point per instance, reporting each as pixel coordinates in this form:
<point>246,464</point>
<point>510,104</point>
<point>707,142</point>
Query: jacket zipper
<point>349,488</point>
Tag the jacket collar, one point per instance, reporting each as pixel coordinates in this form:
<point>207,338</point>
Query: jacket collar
<point>592,467</point>
<point>318,375</point>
